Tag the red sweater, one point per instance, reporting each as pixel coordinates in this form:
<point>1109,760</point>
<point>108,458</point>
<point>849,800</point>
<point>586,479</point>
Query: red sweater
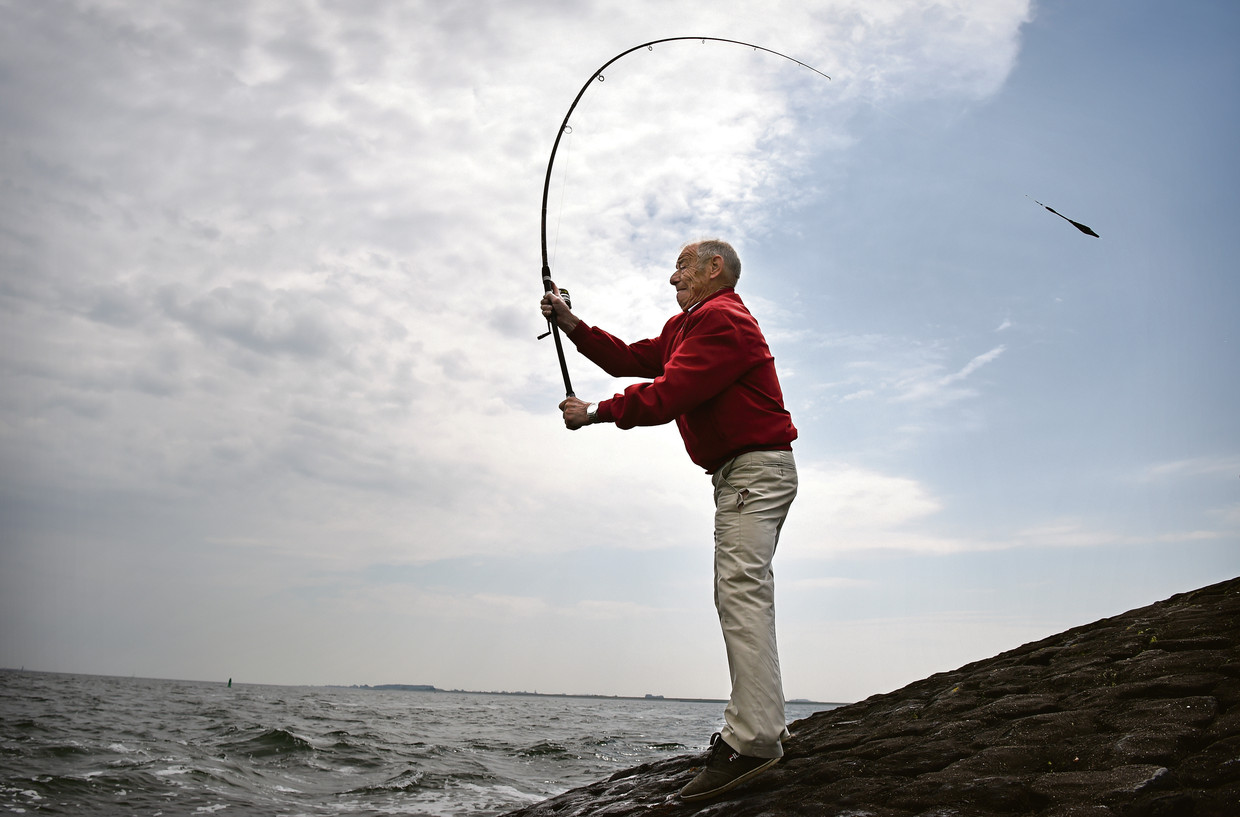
<point>712,373</point>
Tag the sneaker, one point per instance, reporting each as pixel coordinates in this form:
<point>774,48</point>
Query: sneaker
<point>725,770</point>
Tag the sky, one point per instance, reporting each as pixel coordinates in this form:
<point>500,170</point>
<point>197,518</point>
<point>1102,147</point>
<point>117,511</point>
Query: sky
<point>272,405</point>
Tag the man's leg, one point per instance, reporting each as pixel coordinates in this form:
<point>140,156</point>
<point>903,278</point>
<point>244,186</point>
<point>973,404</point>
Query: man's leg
<point>752,496</point>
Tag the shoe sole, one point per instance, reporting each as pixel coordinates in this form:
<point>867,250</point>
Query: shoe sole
<point>731,784</point>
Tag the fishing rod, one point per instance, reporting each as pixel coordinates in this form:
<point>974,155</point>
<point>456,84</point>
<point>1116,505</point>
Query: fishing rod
<point>548,285</point>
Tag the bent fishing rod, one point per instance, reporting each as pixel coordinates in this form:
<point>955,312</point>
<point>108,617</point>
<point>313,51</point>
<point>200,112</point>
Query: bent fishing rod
<point>548,285</point>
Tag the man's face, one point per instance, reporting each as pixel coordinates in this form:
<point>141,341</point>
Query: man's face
<point>690,279</point>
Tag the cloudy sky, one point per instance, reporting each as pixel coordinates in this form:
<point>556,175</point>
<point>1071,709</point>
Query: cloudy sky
<point>272,407</point>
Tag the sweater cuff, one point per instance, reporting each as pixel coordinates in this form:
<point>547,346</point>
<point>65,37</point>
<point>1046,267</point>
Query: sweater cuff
<point>578,332</point>
<point>603,412</point>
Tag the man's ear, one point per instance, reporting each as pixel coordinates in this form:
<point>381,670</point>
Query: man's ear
<point>716,267</point>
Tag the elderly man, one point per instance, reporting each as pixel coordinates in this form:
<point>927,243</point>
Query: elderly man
<point>711,372</point>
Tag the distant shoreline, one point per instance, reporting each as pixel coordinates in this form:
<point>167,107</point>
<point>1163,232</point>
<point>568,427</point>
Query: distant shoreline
<point>431,688</point>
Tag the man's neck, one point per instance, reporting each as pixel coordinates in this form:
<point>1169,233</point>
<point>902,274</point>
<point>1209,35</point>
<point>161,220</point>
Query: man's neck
<point>705,298</point>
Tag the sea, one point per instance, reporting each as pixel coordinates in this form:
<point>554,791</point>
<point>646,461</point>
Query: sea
<point>86,744</point>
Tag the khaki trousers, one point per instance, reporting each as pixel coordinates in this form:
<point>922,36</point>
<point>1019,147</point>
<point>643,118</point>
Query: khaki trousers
<point>753,493</point>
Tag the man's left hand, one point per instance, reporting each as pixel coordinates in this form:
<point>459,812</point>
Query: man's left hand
<point>574,413</point>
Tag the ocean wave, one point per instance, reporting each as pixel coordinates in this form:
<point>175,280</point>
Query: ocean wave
<point>270,743</point>
<point>543,749</point>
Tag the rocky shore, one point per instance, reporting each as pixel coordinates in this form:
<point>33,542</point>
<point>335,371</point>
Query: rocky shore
<point>1135,716</point>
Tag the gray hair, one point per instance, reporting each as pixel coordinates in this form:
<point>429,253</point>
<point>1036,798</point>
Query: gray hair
<point>710,247</point>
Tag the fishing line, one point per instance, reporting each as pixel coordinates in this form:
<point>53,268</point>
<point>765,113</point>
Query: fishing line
<point>548,285</point>
<point>568,148</point>
<point>559,217</point>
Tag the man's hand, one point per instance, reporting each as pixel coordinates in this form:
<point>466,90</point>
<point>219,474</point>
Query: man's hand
<point>553,304</point>
<point>574,413</point>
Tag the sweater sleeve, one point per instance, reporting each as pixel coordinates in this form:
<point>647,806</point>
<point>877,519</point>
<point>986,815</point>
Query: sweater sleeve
<point>614,356</point>
<point>717,349</point>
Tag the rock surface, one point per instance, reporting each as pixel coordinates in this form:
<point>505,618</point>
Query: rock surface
<point>1136,715</point>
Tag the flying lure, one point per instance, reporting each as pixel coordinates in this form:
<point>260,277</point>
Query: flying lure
<point>1078,225</point>
<point>546,267</point>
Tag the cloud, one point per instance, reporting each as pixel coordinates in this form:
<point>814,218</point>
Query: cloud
<point>1177,470</point>
<point>258,319</point>
<point>846,510</point>
<point>1229,516</point>
<point>523,606</point>
<point>1075,533</point>
<point>843,509</point>
<point>925,387</point>
<point>826,583</point>
<point>902,388</point>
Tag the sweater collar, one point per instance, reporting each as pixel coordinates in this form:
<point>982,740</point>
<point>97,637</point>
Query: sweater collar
<point>709,298</point>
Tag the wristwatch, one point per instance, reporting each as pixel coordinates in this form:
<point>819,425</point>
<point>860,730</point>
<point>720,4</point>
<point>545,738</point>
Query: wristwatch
<point>592,413</point>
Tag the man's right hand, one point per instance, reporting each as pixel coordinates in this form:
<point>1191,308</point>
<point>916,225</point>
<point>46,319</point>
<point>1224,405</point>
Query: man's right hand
<point>575,413</point>
<point>553,304</point>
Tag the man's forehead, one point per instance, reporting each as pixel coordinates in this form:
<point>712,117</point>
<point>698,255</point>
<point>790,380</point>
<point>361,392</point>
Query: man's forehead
<point>689,251</point>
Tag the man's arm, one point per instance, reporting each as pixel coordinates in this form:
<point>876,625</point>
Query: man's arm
<point>716,352</point>
<point>614,356</point>
<point>609,353</point>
